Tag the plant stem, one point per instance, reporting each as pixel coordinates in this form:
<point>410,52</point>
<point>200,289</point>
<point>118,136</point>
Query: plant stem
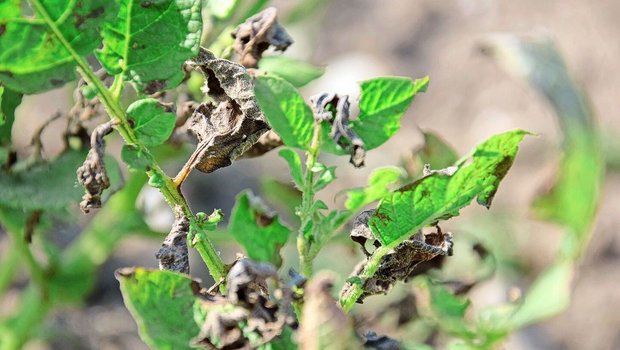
<point>306,212</point>
<point>9,266</point>
<point>110,102</point>
<point>349,296</point>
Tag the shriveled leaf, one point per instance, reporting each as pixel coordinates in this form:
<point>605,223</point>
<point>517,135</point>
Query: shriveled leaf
<point>151,122</point>
<point>382,103</point>
<point>296,72</point>
<point>136,160</point>
<point>32,59</point>
<point>48,186</point>
<point>150,40</point>
<point>162,303</point>
<point>285,110</point>
<point>377,188</point>
<point>10,101</point>
<point>440,197</point>
<point>294,163</point>
<point>259,231</point>
<point>173,254</point>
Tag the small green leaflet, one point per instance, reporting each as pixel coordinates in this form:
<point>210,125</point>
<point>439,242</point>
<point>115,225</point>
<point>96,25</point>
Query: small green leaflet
<point>150,40</point>
<point>377,188</point>
<point>32,59</point>
<point>324,175</point>
<point>440,197</point>
<point>134,158</point>
<point>296,72</point>
<point>285,110</point>
<point>260,232</point>
<point>163,303</point>
<point>152,124</point>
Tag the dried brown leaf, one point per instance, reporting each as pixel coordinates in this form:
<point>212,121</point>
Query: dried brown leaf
<point>173,254</point>
<point>92,174</point>
<point>256,34</point>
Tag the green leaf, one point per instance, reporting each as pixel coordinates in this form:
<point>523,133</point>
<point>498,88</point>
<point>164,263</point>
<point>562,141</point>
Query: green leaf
<point>151,122</point>
<point>32,59</point>
<point>260,232</point>
<point>446,304</point>
<point>440,197</point>
<point>377,188</point>
<point>48,186</point>
<point>10,101</point>
<point>296,72</point>
<point>285,110</point>
<point>547,297</point>
<point>150,40</point>
<point>134,158</point>
<point>294,163</point>
<point>162,303</point>
<point>436,152</point>
<point>382,103</point>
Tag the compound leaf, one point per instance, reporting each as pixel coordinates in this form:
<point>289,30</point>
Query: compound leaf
<point>32,59</point>
<point>151,122</point>
<point>260,232</point>
<point>150,40</point>
<point>285,110</point>
<point>163,304</point>
<point>440,197</point>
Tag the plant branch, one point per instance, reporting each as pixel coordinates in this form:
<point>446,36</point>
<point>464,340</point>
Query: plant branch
<point>170,192</point>
<point>306,213</point>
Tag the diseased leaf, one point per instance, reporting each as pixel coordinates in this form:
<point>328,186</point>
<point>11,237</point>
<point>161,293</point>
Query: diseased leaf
<point>383,102</point>
<point>440,197</point>
<point>294,163</point>
<point>285,110</point>
<point>259,231</point>
<point>32,59</point>
<point>135,159</point>
<point>151,122</point>
<point>377,188</point>
<point>48,186</point>
<point>150,40</point>
<point>162,303</point>
<point>296,72</point>
<point>10,101</point>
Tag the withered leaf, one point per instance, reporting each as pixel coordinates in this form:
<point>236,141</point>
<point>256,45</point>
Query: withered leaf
<point>256,34</point>
<point>403,262</point>
<point>92,174</point>
<point>232,122</point>
<point>380,342</point>
<point>334,109</point>
<point>173,254</point>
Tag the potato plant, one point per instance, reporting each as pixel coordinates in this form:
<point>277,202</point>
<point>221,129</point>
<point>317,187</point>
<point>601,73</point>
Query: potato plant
<point>135,65</point>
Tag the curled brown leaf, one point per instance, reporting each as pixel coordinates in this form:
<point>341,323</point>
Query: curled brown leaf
<point>92,174</point>
<point>173,254</point>
<point>256,34</point>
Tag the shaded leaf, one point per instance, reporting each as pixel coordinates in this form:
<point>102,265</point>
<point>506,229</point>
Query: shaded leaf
<point>285,110</point>
<point>162,303</point>
<point>436,152</point>
<point>134,158</point>
<point>151,122</point>
<point>150,40</point>
<point>10,101</point>
<point>48,186</point>
<point>32,59</point>
<point>294,164</point>
<point>296,72</point>
<point>259,231</point>
<point>440,197</point>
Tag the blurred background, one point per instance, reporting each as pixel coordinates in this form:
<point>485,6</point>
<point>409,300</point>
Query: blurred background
<point>471,96</point>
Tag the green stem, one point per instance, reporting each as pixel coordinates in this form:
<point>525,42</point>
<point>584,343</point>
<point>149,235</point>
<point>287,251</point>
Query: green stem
<point>37,273</point>
<point>349,295</point>
<point>171,193</point>
<point>9,266</point>
<point>307,201</point>
<point>208,254</point>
